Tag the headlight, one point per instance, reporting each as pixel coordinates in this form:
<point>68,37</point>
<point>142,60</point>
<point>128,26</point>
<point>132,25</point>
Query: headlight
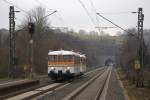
<point>52,68</point>
<point>68,68</point>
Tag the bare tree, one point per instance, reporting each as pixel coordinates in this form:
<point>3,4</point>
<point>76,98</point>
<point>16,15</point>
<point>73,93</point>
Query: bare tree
<point>37,15</point>
<point>130,49</point>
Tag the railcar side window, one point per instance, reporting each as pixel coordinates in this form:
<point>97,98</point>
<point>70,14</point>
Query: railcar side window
<point>60,58</point>
<point>53,58</point>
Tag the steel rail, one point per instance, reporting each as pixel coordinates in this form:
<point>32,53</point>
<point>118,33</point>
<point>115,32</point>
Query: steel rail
<point>82,87</point>
<point>44,89</point>
<point>100,91</point>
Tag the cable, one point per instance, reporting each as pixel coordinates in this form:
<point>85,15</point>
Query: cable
<point>87,11</point>
<point>48,15</point>
<point>43,4</point>
<point>26,11</point>
<point>58,17</point>
<point>114,13</point>
<point>113,23</point>
<point>94,9</point>
<point>17,7</point>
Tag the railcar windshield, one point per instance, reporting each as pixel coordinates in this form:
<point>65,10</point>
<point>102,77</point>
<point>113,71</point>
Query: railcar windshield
<point>67,57</point>
<point>60,58</point>
<point>77,59</point>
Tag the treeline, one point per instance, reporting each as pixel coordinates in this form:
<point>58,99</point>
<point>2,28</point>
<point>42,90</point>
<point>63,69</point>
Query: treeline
<point>45,39</point>
<point>129,53</point>
<point>53,40</point>
<point>130,46</point>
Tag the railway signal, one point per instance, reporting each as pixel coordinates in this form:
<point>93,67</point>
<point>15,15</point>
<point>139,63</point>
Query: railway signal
<point>31,28</point>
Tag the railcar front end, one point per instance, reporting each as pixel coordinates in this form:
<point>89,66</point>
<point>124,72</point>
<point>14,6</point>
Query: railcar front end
<point>64,65</point>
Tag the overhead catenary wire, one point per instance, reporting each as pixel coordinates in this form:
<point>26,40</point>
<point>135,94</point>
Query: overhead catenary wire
<point>43,4</point>
<point>17,7</point>
<point>59,17</point>
<point>86,10</point>
<point>27,12</point>
<point>111,13</point>
<point>49,14</point>
<point>116,13</point>
<point>113,23</point>
<point>94,9</point>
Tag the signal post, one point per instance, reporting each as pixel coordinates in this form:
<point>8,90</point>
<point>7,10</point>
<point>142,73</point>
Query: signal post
<point>31,29</point>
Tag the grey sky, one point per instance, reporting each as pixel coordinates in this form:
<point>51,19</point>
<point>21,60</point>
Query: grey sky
<point>71,14</point>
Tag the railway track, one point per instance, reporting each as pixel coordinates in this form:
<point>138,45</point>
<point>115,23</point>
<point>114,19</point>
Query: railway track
<point>8,89</point>
<point>36,92</point>
<point>94,89</point>
<point>12,88</point>
<point>48,89</point>
<point>61,92</point>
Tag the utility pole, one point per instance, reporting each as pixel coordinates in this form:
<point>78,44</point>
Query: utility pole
<point>12,44</point>
<point>12,39</point>
<point>141,49</point>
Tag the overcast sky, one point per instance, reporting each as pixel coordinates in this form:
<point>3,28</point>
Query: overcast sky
<point>71,13</point>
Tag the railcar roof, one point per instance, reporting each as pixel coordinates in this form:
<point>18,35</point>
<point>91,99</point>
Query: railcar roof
<point>82,56</point>
<point>64,52</point>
